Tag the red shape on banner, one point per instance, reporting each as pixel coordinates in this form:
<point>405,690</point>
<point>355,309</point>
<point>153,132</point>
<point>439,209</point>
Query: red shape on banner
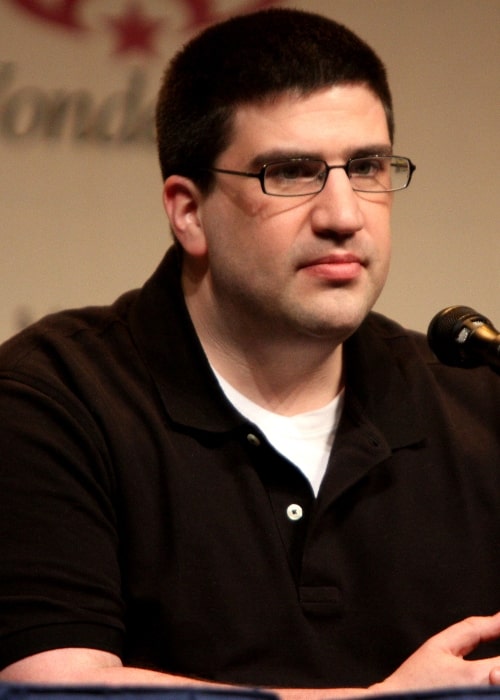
<point>63,13</point>
<point>135,31</point>
<point>202,12</point>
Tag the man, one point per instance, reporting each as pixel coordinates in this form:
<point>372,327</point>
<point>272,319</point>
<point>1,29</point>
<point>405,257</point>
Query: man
<point>239,474</point>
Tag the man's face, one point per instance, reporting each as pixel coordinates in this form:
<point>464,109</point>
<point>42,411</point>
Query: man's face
<point>308,265</point>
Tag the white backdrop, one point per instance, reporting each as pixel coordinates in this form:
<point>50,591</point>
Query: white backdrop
<point>80,189</point>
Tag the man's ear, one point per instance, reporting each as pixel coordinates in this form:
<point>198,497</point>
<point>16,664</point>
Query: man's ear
<point>181,199</point>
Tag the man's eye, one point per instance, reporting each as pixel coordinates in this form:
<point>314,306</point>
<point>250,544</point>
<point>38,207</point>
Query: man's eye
<point>294,170</point>
<point>368,167</point>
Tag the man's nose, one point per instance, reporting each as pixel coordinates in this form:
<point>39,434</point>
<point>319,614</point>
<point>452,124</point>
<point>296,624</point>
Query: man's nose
<point>336,209</point>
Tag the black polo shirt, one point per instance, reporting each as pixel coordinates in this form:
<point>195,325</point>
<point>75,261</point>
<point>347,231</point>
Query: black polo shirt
<point>142,515</point>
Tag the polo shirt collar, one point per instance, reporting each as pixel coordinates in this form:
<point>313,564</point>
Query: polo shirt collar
<point>166,339</point>
<point>376,383</point>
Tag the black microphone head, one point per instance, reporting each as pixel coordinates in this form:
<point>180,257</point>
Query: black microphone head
<point>448,332</point>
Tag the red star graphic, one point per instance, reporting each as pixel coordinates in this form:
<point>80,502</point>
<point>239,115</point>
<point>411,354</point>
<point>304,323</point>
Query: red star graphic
<point>134,30</point>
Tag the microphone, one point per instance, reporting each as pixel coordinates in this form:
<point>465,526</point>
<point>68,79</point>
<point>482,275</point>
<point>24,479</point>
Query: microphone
<point>462,337</point>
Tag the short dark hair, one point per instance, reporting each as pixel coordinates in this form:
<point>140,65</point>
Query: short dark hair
<point>251,58</point>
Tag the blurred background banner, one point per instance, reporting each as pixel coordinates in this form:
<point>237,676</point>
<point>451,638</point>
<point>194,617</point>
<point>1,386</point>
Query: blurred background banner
<point>80,187</point>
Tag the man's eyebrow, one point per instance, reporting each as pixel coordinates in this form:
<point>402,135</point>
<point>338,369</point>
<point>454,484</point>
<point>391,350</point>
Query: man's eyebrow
<point>280,154</point>
<point>381,149</point>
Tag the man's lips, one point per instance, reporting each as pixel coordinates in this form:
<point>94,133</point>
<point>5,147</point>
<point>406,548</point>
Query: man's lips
<point>336,267</point>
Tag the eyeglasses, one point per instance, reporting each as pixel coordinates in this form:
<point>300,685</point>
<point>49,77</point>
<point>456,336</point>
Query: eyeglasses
<point>297,177</point>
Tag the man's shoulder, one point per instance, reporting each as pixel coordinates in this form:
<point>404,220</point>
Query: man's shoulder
<point>410,351</point>
<point>68,334</point>
<point>396,337</point>
<point>387,326</point>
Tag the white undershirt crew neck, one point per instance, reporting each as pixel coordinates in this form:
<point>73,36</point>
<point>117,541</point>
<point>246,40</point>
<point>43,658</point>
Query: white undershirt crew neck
<point>306,439</point>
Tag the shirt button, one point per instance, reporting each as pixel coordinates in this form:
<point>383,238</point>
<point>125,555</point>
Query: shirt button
<point>253,440</point>
<point>294,511</point>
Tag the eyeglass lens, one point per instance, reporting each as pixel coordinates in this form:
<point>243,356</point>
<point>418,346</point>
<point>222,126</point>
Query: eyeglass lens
<point>307,176</point>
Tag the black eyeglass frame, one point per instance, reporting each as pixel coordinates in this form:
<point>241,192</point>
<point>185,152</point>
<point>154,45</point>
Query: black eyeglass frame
<point>261,175</point>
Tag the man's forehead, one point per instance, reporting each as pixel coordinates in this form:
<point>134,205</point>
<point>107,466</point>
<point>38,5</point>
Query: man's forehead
<point>310,116</point>
<point>291,103</point>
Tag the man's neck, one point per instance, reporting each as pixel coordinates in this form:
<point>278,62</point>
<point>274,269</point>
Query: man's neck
<point>283,373</point>
<point>278,381</point>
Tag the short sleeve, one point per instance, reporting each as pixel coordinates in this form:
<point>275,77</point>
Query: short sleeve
<point>59,553</point>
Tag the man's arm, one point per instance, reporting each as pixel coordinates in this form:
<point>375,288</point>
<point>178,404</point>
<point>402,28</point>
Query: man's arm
<point>86,666</point>
<point>438,663</point>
